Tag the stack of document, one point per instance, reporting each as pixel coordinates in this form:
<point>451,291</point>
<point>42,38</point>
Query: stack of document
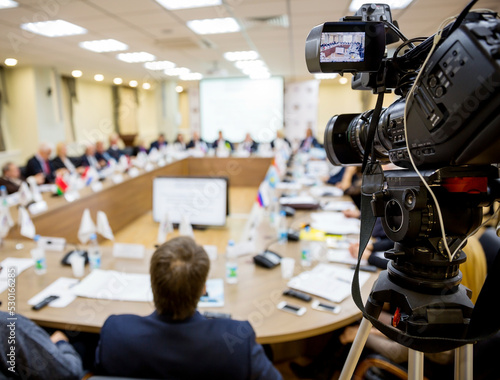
<point>12,265</point>
<point>329,281</point>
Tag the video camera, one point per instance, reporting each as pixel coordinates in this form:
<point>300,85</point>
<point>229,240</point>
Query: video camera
<point>452,117</point>
<point>447,118</point>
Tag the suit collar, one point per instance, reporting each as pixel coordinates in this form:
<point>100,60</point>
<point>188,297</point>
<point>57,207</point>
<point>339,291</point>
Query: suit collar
<point>195,317</point>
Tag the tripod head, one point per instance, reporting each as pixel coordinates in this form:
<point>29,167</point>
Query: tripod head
<point>422,281</point>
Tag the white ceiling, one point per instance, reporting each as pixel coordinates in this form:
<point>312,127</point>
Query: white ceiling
<point>146,26</point>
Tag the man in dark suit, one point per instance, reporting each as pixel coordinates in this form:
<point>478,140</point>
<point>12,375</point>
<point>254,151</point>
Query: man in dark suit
<point>40,163</point>
<point>248,145</point>
<point>114,149</point>
<point>89,158</point>
<point>176,341</point>
<point>160,143</point>
<point>197,143</point>
<point>309,142</point>
<point>101,155</point>
<point>221,141</point>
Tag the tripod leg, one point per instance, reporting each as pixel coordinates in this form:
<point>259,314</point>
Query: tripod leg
<point>463,362</point>
<point>356,349</point>
<point>415,365</point>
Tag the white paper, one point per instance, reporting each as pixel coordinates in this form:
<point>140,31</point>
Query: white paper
<point>339,206</point>
<point>113,285</point>
<point>129,251</point>
<point>342,256</point>
<point>96,186</point>
<point>211,251</point>
<point>103,227</point>
<point>117,178</point>
<point>13,199</point>
<point>71,195</point>
<point>289,186</point>
<point>335,223</point>
<point>329,281</point>
<point>133,172</point>
<point>60,287</point>
<point>20,265</point>
<point>25,196</point>
<point>87,227</point>
<point>326,191</point>
<point>215,291</point>
<point>38,207</point>
<point>305,199</point>
<point>166,227</point>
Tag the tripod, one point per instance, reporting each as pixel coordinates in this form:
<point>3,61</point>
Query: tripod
<point>421,282</point>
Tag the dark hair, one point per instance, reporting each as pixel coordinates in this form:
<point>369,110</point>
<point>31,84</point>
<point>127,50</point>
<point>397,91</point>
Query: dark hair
<point>179,270</point>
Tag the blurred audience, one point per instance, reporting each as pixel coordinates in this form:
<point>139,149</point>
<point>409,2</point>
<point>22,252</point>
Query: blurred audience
<point>63,163</point>
<point>309,142</point>
<point>160,143</point>
<point>40,164</point>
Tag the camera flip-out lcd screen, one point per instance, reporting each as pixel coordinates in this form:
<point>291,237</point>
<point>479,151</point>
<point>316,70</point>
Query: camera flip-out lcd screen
<point>342,47</point>
<point>336,47</point>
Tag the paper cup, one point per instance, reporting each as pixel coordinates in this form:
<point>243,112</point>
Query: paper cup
<point>77,264</point>
<point>287,266</point>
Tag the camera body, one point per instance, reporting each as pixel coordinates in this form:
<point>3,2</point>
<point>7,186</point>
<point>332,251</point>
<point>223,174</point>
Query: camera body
<point>451,117</point>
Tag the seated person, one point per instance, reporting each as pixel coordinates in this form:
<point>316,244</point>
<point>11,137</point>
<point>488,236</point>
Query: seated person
<point>101,154</point>
<point>37,355</point>
<point>139,146</point>
<point>40,164</point>
<point>160,143</point>
<point>62,161</point>
<point>309,142</point>
<point>221,141</point>
<point>197,143</point>
<point>280,141</point>
<point>179,143</point>
<point>89,158</point>
<point>11,177</point>
<point>248,144</point>
<point>176,341</point>
<point>335,174</point>
<point>114,149</point>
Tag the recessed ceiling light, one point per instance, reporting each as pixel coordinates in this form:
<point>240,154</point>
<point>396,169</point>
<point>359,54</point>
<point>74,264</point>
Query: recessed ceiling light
<point>214,25</point>
<point>248,64</point>
<point>159,65</point>
<point>103,46</point>
<point>99,77</point>
<point>393,4</point>
<point>326,76</point>
<point>53,28</point>
<point>179,89</point>
<point>241,55</point>
<point>177,71</point>
<point>4,4</point>
<point>191,76</point>
<point>10,62</point>
<point>76,73</point>
<point>146,86</point>
<point>343,80</point>
<point>183,4</point>
<point>118,81</point>
<point>136,57</point>
<point>133,83</point>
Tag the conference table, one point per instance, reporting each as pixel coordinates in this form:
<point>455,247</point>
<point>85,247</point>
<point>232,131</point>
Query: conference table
<point>253,298</point>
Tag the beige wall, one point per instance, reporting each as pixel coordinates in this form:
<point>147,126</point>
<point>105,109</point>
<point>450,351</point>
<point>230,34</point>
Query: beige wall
<point>147,114</point>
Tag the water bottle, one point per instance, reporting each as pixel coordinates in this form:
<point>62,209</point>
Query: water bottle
<point>282,228</point>
<point>94,253</point>
<point>3,196</point>
<point>38,255</point>
<point>305,256</point>
<point>231,264</point>
<point>273,212</point>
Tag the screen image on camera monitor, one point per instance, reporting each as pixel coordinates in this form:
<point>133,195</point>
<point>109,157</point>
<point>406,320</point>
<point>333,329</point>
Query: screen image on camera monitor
<point>342,47</point>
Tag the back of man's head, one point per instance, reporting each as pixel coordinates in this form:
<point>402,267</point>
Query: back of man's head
<point>179,270</point>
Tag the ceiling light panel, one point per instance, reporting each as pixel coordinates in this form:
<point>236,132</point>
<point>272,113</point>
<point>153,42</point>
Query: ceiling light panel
<point>214,26</point>
<point>186,4</point>
<point>241,55</point>
<point>103,46</point>
<point>5,4</point>
<point>136,57</point>
<point>177,71</point>
<point>54,28</point>
<point>159,65</point>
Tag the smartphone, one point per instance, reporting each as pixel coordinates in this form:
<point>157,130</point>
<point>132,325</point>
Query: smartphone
<point>297,310</point>
<point>317,305</point>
